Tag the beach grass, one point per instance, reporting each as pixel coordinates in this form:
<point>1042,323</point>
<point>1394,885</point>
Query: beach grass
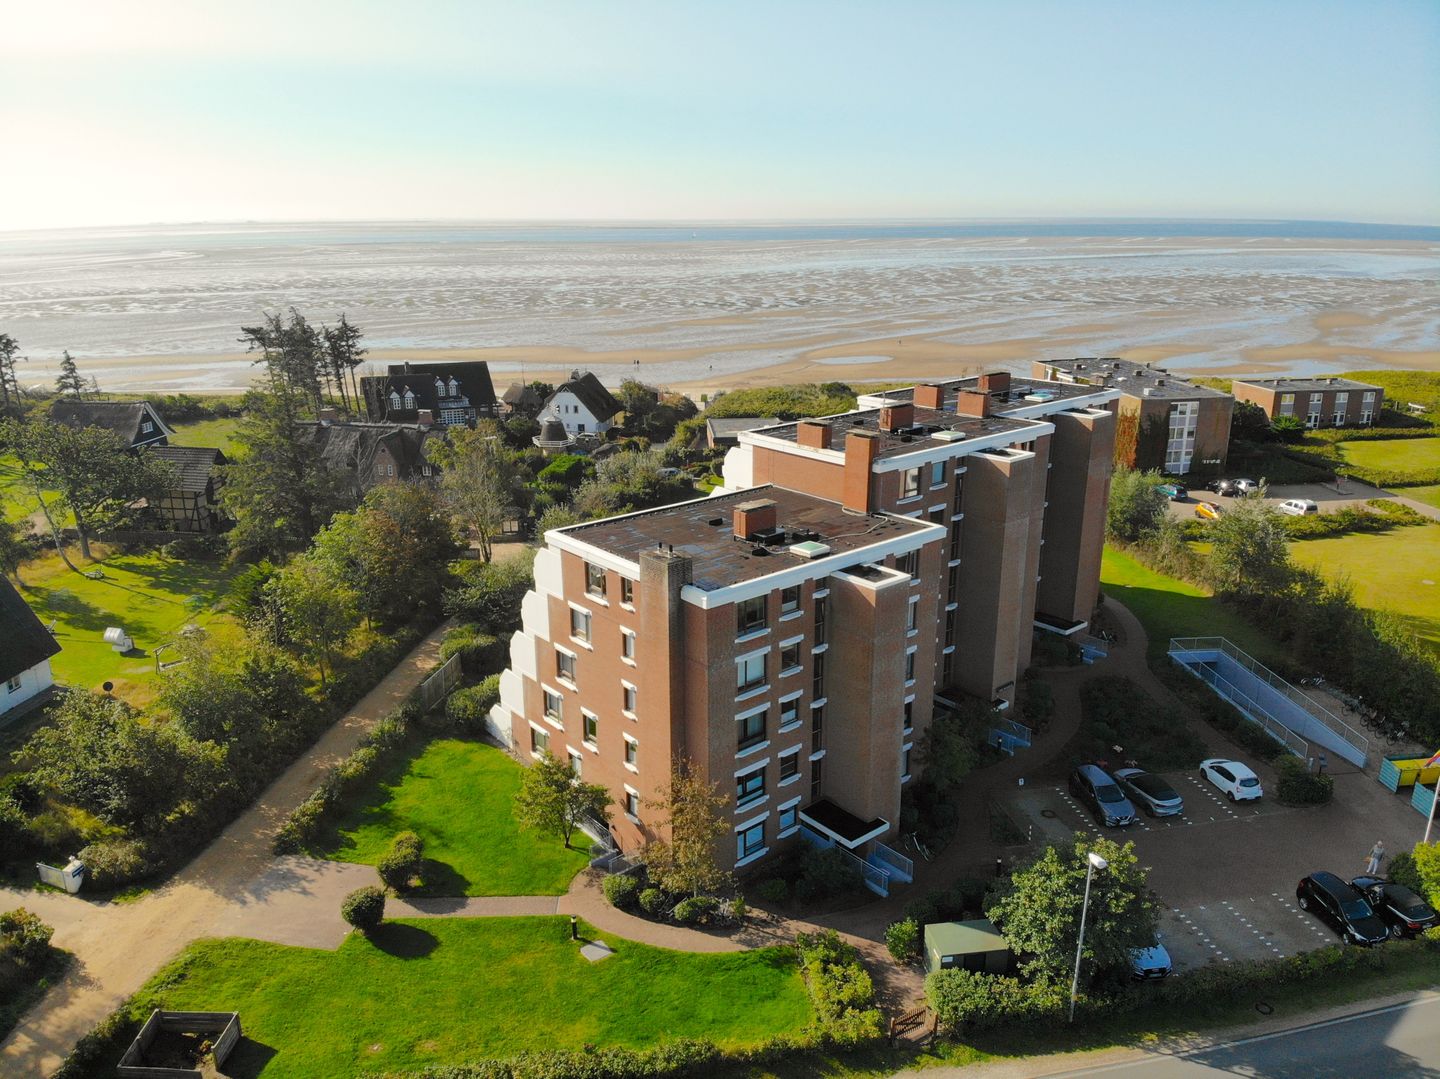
<point>219,433</point>
<point>458,795</point>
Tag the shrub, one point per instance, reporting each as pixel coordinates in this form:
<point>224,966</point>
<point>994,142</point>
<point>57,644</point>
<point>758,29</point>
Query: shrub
<point>364,908</point>
<point>903,940</point>
<point>773,890</point>
<point>697,910</point>
<point>841,992</point>
<point>115,862</point>
<point>401,863</point>
<point>1298,787</point>
<point>467,707</point>
<point>1117,711</point>
<point>967,998</point>
<point>620,889</point>
<point>738,909</point>
<point>480,652</point>
<point>825,873</point>
<point>24,936</point>
<point>1402,870</point>
<point>654,902</point>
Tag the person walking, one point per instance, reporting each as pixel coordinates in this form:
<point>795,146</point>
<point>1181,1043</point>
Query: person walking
<point>1377,855</point>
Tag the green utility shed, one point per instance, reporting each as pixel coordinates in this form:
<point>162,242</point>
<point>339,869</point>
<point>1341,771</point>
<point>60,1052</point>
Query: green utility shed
<point>975,945</point>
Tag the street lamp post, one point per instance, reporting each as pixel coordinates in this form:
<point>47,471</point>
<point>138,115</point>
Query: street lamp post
<point>1095,862</point>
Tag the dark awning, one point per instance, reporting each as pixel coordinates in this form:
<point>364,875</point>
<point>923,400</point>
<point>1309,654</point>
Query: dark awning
<point>841,825</point>
<point>1054,623</point>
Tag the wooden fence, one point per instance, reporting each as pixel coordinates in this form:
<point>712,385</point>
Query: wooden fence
<point>444,678</point>
<point>224,1024</point>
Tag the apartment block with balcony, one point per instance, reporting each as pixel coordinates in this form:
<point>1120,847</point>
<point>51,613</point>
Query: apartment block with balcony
<point>775,640</point>
<point>1317,402</point>
<point>1164,421</point>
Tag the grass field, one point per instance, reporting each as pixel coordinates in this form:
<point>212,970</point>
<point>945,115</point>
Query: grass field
<point>1399,569</point>
<point>18,501</point>
<point>217,433</point>
<point>458,796</point>
<point>451,990</point>
<point>1398,454</point>
<point>1171,608</point>
<point>1429,495</point>
<point>147,595</point>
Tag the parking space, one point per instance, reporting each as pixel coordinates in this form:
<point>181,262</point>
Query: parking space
<point>1255,927</point>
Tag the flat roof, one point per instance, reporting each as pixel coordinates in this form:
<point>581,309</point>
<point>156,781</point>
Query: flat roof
<point>1307,384</point>
<point>928,424</point>
<point>703,530</point>
<point>1019,394</point>
<point>733,425</point>
<point>1133,378</point>
<point>964,938</point>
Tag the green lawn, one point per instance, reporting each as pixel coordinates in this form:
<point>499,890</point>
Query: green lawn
<point>1171,608</point>
<point>1397,454</point>
<point>148,595</point>
<point>1429,495</point>
<point>458,795</point>
<point>452,990</point>
<point>1399,569</point>
<point>17,500</point>
<point>217,433</point>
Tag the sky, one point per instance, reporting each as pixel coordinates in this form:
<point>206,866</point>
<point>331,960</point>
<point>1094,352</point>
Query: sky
<point>115,112</point>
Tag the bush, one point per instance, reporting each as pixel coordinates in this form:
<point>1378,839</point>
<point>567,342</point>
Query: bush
<point>738,909</point>
<point>620,889</point>
<point>118,861</point>
<point>24,937</point>
<point>1298,787</point>
<point>969,999</point>
<point>841,992</point>
<point>402,862</point>
<point>825,873</point>
<point>480,653</point>
<point>697,910</point>
<point>1117,711</point>
<point>364,908</point>
<point>467,707</point>
<point>773,890</point>
<point>1403,870</point>
<point>903,940</point>
<point>654,902</point>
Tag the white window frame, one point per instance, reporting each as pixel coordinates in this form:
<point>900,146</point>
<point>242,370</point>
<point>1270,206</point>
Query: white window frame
<point>792,807</point>
<point>630,792</point>
<point>627,646</point>
<point>593,745</point>
<point>634,692</point>
<point>790,699</point>
<point>742,663</point>
<point>632,746</point>
<point>783,757</point>
<point>558,720</point>
<point>584,642</point>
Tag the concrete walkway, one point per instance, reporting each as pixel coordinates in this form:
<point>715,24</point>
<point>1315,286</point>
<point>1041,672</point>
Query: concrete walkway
<point>234,885</point>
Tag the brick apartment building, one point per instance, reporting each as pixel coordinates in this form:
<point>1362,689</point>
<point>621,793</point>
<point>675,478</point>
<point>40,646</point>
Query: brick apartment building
<point>790,635</point>
<point>1163,421</point>
<point>1319,402</point>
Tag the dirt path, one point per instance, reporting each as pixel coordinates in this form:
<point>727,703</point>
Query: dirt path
<point>118,947</point>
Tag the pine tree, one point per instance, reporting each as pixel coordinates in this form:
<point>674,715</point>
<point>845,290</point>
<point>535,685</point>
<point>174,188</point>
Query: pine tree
<point>9,383</point>
<point>69,381</point>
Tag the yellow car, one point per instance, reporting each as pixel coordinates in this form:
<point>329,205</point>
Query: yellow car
<point>1208,511</point>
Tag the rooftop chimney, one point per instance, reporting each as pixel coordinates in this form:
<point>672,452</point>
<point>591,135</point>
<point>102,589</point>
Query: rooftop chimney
<point>897,417</point>
<point>929,397</point>
<point>757,515</point>
<point>995,382</point>
<point>813,433</point>
<point>972,403</point>
<point>328,416</point>
<point>861,449</point>
<point>425,417</point>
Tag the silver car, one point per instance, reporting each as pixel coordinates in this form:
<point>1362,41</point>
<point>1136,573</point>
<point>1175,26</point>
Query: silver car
<point>1151,793</point>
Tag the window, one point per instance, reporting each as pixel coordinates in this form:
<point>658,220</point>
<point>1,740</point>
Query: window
<point>752,728</point>
<point>575,764</point>
<point>955,505</point>
<point>937,474</point>
<point>909,562</point>
<point>632,751</point>
<point>750,672</point>
<point>816,784</point>
<point>627,644</point>
<point>822,605</point>
<point>912,616</point>
<point>789,713</point>
<point>409,399</point>
<point>817,667</point>
<point>1184,419</point>
<point>594,580</point>
<point>565,666</point>
<point>789,599</point>
<point>905,763</point>
<point>1366,415</point>
<point>394,400</point>
<point>454,388</point>
<point>627,591</point>
<point>947,668</point>
<point>910,665</point>
<point>553,706</point>
<point>592,728</point>
<point>750,841</point>
<point>539,741</point>
<point>954,587</point>
<point>1287,404</point>
<point>627,697</point>
<point>909,713</point>
<point>817,729</point>
<point>789,766</point>
<point>1312,416</point>
<point>750,787</point>
<point>146,427</point>
<point>910,483</point>
<point>955,539</point>
<point>1342,405</point>
<point>749,616</point>
<point>632,804</point>
<point>950,627</point>
<point>790,658</point>
<point>13,685</point>
<point>789,818</point>
<point>580,625</point>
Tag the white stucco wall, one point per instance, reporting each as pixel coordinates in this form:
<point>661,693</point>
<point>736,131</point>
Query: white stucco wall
<point>33,682</point>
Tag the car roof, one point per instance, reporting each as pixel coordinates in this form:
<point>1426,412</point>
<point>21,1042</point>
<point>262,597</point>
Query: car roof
<point>1332,884</point>
<point>1094,772</point>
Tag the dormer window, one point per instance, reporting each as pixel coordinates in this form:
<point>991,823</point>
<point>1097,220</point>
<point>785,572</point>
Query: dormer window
<point>454,387</point>
<point>394,400</point>
<point>439,388</point>
<point>409,399</point>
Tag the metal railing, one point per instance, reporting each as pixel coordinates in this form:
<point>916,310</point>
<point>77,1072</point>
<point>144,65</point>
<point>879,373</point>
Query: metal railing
<point>899,866</point>
<point>877,878</point>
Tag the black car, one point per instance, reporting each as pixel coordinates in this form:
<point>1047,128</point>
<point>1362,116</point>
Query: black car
<point>1342,906</point>
<point>1093,786</point>
<point>1398,907</point>
<point>1150,792</point>
<point>1221,487</point>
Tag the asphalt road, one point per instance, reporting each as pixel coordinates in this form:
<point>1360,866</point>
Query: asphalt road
<point>1400,1040</point>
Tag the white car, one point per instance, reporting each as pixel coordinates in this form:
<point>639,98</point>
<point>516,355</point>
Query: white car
<point>1298,507</point>
<point>1235,779</point>
<point>1245,487</point>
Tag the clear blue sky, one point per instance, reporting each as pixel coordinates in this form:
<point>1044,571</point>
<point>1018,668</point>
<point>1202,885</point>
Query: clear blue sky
<point>118,112</point>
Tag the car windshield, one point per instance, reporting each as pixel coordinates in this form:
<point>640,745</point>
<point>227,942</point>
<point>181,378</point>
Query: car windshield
<point>1356,908</point>
<point>1418,912</point>
<point>1249,781</point>
<point>1108,792</point>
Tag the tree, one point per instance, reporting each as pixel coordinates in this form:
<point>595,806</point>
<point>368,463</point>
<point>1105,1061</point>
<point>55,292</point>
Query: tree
<point>319,610</point>
<point>695,815</point>
<point>1250,553</point>
<point>1136,505</point>
<point>278,491</point>
<point>24,937</point>
<point>9,382</point>
<point>343,351</point>
<point>93,469</point>
<point>481,481</point>
<point>491,594</point>
<point>14,546</point>
<point>70,380</point>
<point>293,357</point>
<point>1288,428</point>
<point>1250,423</point>
<point>552,798</point>
<point>1040,912</point>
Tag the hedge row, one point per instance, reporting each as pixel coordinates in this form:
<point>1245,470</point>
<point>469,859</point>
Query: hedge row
<point>841,992</point>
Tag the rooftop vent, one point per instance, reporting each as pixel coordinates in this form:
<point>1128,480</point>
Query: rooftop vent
<point>810,549</point>
<point>769,537</point>
<point>950,436</point>
<point>1149,391</point>
<point>715,522</point>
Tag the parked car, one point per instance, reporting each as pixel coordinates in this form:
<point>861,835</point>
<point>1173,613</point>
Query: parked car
<point>1175,492</point>
<point>1094,786</point>
<point>1341,906</point>
<point>1221,487</point>
<point>1209,511</point>
<point>1147,964</point>
<point>1149,792</point>
<point>1238,782</point>
<point>1397,906</point>
<point>1246,487</point>
<point>1298,507</point>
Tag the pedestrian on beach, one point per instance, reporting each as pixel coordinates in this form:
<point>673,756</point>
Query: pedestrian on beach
<point>1377,855</point>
